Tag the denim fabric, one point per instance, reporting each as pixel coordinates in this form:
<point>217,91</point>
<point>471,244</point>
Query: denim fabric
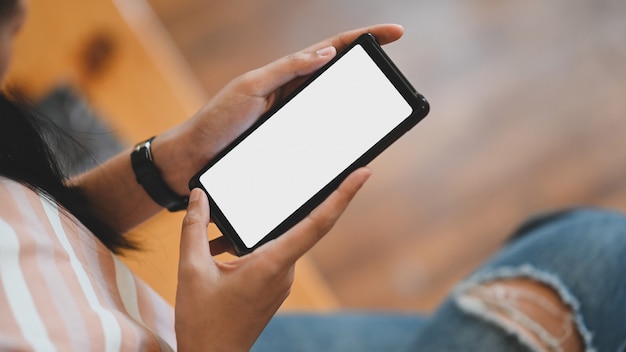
<point>580,253</point>
<point>346,331</point>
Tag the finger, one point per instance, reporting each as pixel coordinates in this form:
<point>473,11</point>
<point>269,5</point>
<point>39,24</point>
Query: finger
<point>304,235</point>
<point>384,33</point>
<point>269,78</point>
<point>194,247</point>
<point>284,70</point>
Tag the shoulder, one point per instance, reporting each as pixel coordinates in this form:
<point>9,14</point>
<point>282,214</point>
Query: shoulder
<point>42,234</point>
<point>39,220</point>
<point>63,288</point>
<point>18,209</point>
<point>25,211</point>
<point>41,249</point>
<point>10,193</point>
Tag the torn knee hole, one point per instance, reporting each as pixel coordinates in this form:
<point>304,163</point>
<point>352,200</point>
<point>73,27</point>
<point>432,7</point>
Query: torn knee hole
<point>528,309</point>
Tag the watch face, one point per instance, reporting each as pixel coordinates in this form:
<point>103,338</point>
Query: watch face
<point>147,144</point>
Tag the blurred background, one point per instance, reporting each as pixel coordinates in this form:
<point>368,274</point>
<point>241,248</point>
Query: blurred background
<point>528,114</point>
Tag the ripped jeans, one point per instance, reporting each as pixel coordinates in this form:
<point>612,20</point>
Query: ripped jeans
<point>580,255</point>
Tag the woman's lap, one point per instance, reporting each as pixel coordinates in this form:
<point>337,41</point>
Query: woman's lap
<point>345,331</point>
<point>580,254</point>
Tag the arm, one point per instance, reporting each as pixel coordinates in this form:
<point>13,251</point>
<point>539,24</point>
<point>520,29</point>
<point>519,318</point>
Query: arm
<point>180,152</point>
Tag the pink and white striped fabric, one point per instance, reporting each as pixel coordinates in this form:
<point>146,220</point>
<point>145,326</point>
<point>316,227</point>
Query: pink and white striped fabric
<point>61,289</point>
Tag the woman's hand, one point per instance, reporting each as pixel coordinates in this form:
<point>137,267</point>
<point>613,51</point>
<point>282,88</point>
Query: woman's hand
<point>184,150</point>
<point>225,306</point>
<point>117,198</point>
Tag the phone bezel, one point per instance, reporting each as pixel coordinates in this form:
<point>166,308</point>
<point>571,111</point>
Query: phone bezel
<point>420,109</point>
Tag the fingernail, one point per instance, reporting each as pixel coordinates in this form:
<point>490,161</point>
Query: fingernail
<point>195,195</point>
<point>329,50</point>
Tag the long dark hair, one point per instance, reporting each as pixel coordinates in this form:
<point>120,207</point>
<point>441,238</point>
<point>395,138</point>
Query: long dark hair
<point>7,7</point>
<point>26,157</point>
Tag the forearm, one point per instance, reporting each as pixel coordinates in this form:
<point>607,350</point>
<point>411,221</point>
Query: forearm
<point>114,193</point>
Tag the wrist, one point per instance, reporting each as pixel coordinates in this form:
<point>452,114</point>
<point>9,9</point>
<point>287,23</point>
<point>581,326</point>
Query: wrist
<point>176,164</point>
<point>151,178</point>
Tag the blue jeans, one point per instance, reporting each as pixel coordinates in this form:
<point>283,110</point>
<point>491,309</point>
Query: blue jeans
<point>581,254</point>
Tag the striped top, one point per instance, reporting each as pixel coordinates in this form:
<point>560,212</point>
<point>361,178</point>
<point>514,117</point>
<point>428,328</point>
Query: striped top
<point>61,289</point>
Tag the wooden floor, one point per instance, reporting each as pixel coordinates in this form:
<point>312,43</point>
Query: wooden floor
<point>528,114</point>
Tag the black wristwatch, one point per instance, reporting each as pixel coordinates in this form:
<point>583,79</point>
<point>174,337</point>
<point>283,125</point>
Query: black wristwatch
<point>150,178</point>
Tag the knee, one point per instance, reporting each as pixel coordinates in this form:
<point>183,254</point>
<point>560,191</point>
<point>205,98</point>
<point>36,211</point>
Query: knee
<point>530,310</point>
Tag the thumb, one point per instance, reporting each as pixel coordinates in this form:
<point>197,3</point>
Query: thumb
<point>194,244</point>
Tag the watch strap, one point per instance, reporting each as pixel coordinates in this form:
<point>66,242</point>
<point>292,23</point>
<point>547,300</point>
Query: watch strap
<point>149,177</point>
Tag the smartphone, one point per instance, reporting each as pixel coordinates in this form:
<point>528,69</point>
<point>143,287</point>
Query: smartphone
<point>298,152</point>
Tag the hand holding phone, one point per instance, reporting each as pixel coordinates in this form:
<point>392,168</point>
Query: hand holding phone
<point>276,172</point>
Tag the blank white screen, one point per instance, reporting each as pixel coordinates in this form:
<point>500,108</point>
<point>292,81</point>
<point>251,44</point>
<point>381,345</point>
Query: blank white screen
<point>305,145</point>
